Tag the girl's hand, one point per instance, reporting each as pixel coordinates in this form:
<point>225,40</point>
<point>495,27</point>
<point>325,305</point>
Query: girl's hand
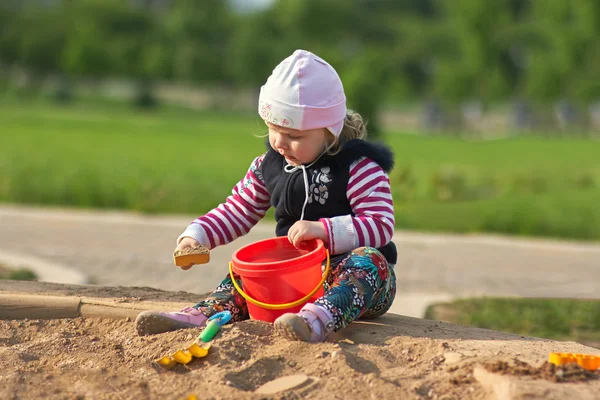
<point>184,244</point>
<point>302,231</point>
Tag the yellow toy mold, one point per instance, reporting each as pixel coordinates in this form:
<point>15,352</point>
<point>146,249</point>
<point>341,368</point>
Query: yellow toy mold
<point>200,346</point>
<point>585,361</point>
<point>184,356</point>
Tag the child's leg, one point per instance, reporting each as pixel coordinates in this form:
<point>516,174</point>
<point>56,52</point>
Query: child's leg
<point>224,297</point>
<point>361,284</point>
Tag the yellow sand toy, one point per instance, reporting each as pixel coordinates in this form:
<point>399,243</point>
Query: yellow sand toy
<point>189,256</point>
<point>585,361</point>
<point>197,350</point>
<point>200,346</point>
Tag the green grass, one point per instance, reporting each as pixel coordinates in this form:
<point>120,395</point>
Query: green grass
<point>19,274</point>
<point>568,214</point>
<point>171,161</point>
<point>560,319</point>
<point>182,161</point>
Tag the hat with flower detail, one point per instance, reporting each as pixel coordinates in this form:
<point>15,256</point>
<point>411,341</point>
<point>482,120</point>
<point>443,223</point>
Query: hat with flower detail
<point>304,92</point>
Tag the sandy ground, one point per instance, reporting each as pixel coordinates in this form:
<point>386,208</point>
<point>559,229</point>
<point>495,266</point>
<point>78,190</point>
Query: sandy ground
<point>391,357</point>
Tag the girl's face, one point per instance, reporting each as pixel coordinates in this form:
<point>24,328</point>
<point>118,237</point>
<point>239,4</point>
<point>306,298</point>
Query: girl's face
<point>298,147</point>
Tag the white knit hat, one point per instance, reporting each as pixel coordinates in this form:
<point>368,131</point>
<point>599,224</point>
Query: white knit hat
<point>304,92</point>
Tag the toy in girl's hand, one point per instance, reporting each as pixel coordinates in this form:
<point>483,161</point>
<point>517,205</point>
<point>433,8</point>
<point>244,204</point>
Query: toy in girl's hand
<point>191,255</point>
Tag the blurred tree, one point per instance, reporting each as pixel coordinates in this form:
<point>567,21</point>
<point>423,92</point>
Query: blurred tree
<point>9,35</point>
<point>564,63</point>
<point>8,48</point>
<point>199,35</point>
<point>402,28</point>
<point>369,36</point>
<point>115,38</point>
<point>31,38</point>
<point>136,46</point>
<point>87,52</point>
<point>43,36</point>
<point>454,50</point>
<point>365,85</point>
<point>474,61</point>
<point>263,39</point>
<point>258,44</point>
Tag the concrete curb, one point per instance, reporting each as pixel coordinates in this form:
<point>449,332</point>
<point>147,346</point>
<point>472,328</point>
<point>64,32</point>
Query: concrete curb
<point>27,306</point>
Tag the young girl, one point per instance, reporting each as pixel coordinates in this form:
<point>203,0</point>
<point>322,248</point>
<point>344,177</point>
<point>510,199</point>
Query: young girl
<point>326,183</point>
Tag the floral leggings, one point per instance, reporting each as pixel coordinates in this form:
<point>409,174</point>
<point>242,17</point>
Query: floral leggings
<point>361,284</point>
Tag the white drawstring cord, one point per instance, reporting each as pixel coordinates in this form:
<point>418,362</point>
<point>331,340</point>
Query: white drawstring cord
<point>305,191</point>
<point>289,168</point>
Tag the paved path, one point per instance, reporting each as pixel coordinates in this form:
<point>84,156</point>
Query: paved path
<point>124,249</point>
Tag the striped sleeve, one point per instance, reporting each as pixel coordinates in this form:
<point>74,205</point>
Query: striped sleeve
<point>370,197</point>
<point>247,204</point>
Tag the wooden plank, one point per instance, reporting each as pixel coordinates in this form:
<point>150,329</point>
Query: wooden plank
<point>103,311</point>
<point>22,306</point>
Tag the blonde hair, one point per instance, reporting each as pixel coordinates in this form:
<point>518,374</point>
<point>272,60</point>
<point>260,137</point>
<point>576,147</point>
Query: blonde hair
<point>355,127</point>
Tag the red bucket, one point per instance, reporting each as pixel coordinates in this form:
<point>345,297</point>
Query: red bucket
<point>278,278</point>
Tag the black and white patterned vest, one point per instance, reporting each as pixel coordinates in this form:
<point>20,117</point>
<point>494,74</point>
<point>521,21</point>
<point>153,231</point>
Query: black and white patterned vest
<point>327,183</point>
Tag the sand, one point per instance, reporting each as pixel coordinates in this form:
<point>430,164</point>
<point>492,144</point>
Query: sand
<point>394,357</point>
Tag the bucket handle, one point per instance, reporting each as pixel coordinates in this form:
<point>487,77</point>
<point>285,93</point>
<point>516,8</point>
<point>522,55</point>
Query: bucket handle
<point>280,306</point>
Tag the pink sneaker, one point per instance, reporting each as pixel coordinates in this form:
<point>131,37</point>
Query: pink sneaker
<point>151,322</point>
<point>311,324</point>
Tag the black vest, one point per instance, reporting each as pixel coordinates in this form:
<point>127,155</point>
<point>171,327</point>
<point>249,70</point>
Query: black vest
<point>327,181</point>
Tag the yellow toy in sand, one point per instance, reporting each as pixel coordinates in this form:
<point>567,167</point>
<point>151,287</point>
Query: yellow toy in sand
<point>199,348</point>
<point>585,361</point>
